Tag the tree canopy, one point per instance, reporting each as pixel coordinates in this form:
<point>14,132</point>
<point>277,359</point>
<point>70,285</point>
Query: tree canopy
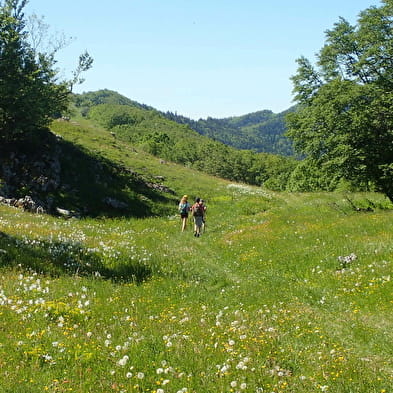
<point>30,92</point>
<point>344,122</point>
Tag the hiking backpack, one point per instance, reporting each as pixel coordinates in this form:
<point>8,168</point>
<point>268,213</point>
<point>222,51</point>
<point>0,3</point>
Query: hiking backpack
<point>197,210</point>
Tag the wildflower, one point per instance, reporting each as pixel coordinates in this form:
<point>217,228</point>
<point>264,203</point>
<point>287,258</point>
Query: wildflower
<point>243,386</point>
<point>128,375</point>
<point>233,384</point>
<point>123,360</point>
<point>224,368</point>
<point>61,321</point>
<point>47,357</point>
<point>140,375</point>
<point>241,366</point>
<point>346,260</point>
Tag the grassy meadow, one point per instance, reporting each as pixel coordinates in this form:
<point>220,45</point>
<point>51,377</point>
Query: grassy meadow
<point>282,293</point>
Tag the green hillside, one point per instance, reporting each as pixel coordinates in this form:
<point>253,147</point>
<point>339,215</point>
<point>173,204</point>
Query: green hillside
<point>261,131</point>
<point>147,184</point>
<point>114,157</point>
<point>155,133</point>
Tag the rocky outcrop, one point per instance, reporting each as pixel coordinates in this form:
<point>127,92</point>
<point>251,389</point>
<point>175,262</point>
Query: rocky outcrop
<point>50,175</point>
<point>27,203</point>
<point>38,174</point>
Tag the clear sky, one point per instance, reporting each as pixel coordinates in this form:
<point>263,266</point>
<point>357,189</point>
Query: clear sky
<point>198,58</point>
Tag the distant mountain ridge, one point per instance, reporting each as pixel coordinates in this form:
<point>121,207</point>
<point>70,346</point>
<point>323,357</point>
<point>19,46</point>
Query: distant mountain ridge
<point>261,131</point>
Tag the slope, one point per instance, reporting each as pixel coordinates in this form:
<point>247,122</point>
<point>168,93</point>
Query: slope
<point>262,131</point>
<point>146,184</point>
<point>161,136</point>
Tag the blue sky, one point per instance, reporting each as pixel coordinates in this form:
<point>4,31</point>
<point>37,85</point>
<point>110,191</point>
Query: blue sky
<point>198,58</point>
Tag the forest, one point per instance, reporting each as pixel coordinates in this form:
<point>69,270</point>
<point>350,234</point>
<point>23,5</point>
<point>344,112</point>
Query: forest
<point>262,131</point>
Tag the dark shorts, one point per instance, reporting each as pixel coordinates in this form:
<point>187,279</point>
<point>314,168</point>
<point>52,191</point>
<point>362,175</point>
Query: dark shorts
<point>198,221</point>
<point>184,215</point>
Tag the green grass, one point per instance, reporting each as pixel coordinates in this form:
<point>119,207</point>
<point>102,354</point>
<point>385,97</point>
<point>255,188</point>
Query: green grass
<point>259,303</point>
<point>93,152</point>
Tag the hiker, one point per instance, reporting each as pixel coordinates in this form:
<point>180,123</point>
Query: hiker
<point>184,208</point>
<point>198,214</point>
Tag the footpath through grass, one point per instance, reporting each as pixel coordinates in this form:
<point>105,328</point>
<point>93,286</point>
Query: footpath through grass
<point>282,293</point>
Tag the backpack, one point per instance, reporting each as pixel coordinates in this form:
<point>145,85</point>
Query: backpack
<point>183,208</point>
<point>197,210</point>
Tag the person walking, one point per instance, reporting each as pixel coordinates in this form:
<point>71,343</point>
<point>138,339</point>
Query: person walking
<point>184,208</point>
<point>197,213</point>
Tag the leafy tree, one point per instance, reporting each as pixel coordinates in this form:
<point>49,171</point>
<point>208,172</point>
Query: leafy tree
<point>111,116</point>
<point>344,122</point>
<point>309,177</point>
<point>85,62</point>
<point>30,92</point>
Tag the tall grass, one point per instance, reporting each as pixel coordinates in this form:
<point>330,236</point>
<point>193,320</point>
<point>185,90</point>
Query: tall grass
<point>282,293</point>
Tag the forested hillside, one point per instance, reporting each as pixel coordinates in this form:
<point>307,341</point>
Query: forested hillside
<point>148,129</point>
<point>261,131</point>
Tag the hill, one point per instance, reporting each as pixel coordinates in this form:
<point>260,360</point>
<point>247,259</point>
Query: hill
<point>157,134</point>
<point>81,168</point>
<point>261,131</point>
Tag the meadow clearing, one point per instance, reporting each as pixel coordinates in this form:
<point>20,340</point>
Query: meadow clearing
<point>282,293</point>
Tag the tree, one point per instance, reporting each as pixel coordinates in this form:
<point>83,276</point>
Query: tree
<point>85,62</point>
<point>344,122</point>
<point>30,92</point>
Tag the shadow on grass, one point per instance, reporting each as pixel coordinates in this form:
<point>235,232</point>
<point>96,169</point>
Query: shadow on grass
<point>59,258</point>
<point>60,174</point>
